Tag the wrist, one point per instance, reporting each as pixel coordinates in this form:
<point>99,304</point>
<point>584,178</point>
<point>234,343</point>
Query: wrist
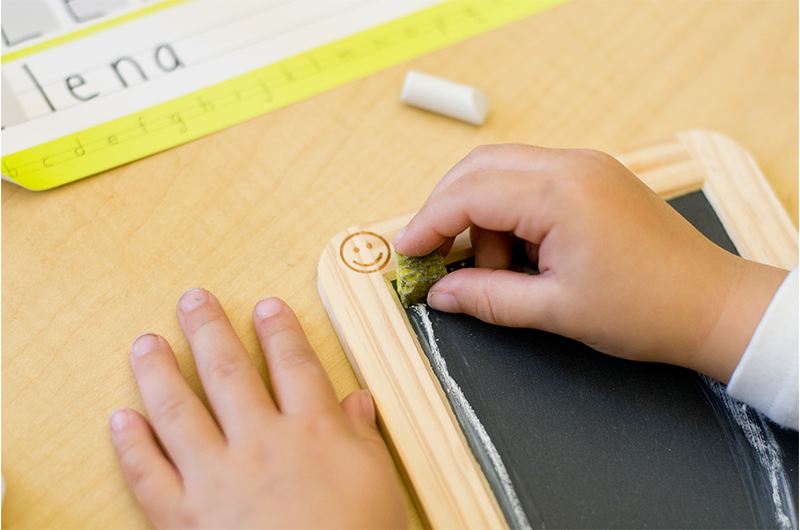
<point>748,295</point>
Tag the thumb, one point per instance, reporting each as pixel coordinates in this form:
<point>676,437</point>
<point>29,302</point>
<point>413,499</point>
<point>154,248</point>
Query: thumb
<point>497,296</point>
<point>360,411</point>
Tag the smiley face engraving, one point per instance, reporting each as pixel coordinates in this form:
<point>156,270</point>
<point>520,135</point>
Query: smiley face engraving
<point>365,252</point>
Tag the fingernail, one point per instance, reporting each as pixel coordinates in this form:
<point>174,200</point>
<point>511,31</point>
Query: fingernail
<point>144,343</point>
<point>268,307</point>
<point>192,299</point>
<point>442,301</point>
<point>118,419</point>
<point>399,235</point>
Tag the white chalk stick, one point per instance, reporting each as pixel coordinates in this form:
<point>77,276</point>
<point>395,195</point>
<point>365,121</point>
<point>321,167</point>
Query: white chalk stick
<point>451,99</point>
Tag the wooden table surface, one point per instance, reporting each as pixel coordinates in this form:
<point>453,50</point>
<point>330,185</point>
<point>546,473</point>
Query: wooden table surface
<point>246,212</point>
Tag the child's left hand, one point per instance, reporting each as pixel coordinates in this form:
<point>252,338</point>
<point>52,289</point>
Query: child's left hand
<point>301,460</point>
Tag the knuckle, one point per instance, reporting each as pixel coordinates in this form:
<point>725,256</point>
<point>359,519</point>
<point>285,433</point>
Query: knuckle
<point>472,186</point>
<point>172,410</point>
<point>131,459</point>
<point>321,427</point>
<point>223,366</point>
<point>486,152</point>
<point>490,304</point>
<point>595,155</point>
<point>470,180</point>
<point>497,149</point>
<point>481,151</point>
<point>277,326</point>
<point>135,470</point>
<point>202,317</point>
<point>600,161</point>
<point>294,358</point>
<point>293,352</point>
<point>479,156</point>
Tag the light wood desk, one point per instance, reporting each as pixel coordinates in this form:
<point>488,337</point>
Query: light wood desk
<point>246,212</point>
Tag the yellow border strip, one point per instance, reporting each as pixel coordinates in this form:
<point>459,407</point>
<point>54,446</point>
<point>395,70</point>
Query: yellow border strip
<point>211,109</point>
<point>91,30</point>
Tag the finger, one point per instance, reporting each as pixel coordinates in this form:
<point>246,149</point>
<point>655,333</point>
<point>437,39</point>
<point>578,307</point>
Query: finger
<point>179,417</point>
<point>232,383</point>
<point>533,252</point>
<point>499,157</point>
<point>502,297</point>
<point>298,379</point>
<point>488,200</point>
<point>492,249</point>
<point>360,411</point>
<point>444,247</point>
<point>482,159</point>
<point>150,475</point>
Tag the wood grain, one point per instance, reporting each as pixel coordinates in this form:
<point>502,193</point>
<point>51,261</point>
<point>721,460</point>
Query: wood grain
<point>248,211</point>
<point>379,341</point>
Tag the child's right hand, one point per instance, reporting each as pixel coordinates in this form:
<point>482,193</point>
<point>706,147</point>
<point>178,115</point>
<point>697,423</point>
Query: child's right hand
<point>620,270</point>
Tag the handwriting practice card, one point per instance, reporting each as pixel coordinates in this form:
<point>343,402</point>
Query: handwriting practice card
<point>89,85</point>
<point>98,67</point>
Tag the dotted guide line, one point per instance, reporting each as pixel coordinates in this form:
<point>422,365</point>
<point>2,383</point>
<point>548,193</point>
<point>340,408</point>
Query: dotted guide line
<point>217,107</point>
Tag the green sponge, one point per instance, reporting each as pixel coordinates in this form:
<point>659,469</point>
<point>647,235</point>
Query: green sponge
<point>415,276</point>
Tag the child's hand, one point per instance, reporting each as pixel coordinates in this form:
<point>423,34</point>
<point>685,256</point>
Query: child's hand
<point>301,460</point>
<point>619,269</point>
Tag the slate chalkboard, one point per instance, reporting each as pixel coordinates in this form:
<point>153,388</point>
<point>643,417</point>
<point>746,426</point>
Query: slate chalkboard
<point>651,448</point>
<point>571,438</point>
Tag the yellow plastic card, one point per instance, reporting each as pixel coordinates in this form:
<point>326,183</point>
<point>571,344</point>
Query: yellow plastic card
<point>157,127</point>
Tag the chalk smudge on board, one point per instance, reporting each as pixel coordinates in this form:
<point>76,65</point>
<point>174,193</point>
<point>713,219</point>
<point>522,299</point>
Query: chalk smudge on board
<point>758,435</point>
<point>466,415</point>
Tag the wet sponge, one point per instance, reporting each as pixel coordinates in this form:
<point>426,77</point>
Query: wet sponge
<point>415,276</point>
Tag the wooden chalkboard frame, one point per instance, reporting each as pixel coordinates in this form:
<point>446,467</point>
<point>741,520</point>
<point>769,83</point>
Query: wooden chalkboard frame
<point>354,278</point>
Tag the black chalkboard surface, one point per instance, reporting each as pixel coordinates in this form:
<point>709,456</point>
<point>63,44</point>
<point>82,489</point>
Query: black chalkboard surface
<point>567,437</point>
<point>571,438</point>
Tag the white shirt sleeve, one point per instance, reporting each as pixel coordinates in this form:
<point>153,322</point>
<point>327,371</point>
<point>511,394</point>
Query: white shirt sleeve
<point>767,376</point>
